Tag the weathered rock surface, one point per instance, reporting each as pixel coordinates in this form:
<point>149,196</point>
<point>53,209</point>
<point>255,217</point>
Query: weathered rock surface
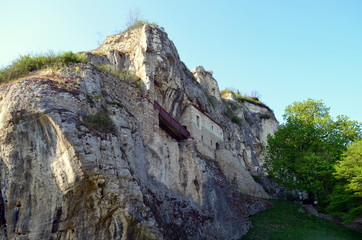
<point>83,156</point>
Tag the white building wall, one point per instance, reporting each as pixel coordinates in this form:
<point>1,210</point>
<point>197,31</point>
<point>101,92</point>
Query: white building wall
<point>204,130</point>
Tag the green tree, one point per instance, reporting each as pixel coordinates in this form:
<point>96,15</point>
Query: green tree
<point>302,153</point>
<point>309,111</point>
<point>301,156</point>
<point>346,200</point>
<point>350,129</point>
<point>350,168</point>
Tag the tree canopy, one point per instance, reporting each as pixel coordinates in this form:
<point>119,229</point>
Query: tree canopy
<point>309,111</point>
<point>346,200</point>
<point>350,168</point>
<point>303,152</point>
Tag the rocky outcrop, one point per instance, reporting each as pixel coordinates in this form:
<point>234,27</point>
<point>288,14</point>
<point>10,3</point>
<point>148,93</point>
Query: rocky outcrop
<point>207,82</point>
<point>83,156</point>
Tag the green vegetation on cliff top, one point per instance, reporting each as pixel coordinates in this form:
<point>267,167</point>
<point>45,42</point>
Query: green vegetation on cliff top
<point>252,99</point>
<point>26,64</point>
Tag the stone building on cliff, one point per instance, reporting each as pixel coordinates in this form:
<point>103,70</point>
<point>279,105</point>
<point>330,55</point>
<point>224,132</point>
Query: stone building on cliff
<point>207,133</point>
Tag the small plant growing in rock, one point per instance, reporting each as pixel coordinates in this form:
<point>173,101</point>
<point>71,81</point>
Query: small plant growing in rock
<point>140,23</point>
<point>126,75</point>
<point>114,103</point>
<point>100,122</point>
<point>109,69</point>
<point>136,24</point>
<point>136,21</point>
<point>211,102</point>
<point>232,115</point>
<point>140,84</point>
<point>155,25</point>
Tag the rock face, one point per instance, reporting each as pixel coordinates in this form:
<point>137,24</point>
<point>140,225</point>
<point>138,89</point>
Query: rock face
<point>84,154</point>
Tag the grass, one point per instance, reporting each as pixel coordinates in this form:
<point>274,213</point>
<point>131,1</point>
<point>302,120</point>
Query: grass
<point>139,23</point>
<point>226,91</point>
<point>26,64</point>
<point>289,221</point>
<point>136,24</point>
<point>241,97</point>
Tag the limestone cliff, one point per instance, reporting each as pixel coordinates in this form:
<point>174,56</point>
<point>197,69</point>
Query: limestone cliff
<point>86,153</point>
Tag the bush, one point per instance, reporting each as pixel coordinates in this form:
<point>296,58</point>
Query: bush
<point>114,103</point>
<point>136,24</point>
<point>136,21</point>
<point>232,115</point>
<point>140,23</point>
<point>127,75</point>
<point>109,69</point>
<point>100,122</point>
<point>346,199</point>
<point>27,64</point>
<point>211,102</point>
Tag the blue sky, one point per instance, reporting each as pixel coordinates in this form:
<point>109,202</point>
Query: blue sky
<point>286,50</point>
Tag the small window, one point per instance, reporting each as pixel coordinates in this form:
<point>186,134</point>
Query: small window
<point>210,142</point>
<point>202,138</point>
<point>198,121</point>
<point>212,128</point>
